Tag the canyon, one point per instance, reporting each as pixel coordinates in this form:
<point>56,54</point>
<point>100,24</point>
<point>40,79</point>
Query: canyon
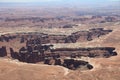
<point>38,43</point>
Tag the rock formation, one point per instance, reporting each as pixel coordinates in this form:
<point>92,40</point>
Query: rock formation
<point>3,51</point>
<point>37,49</point>
<point>79,36</point>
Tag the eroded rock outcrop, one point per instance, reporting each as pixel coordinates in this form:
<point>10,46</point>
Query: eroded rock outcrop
<point>86,52</point>
<point>35,52</point>
<point>6,38</point>
<point>86,35</point>
<point>79,36</point>
<point>76,64</point>
<point>3,51</point>
<point>69,63</point>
